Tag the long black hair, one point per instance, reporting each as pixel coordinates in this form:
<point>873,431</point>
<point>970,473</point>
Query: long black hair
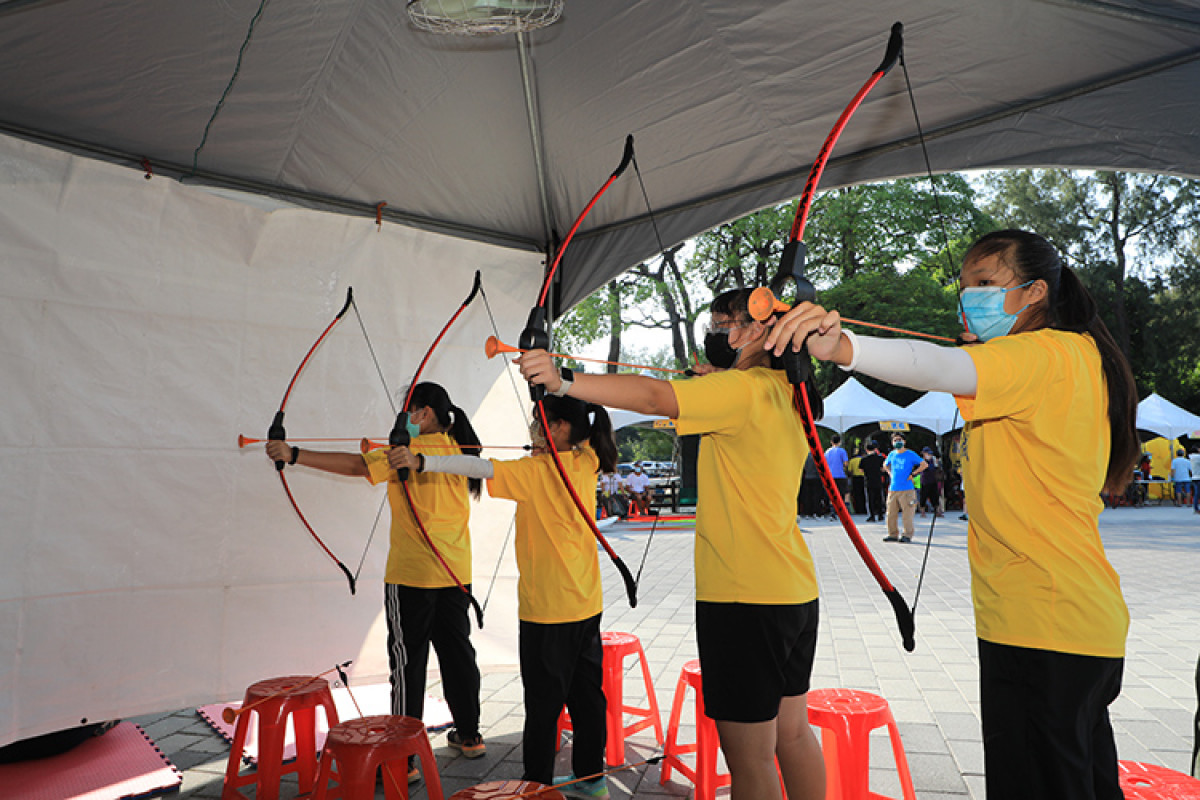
<point>588,421</point>
<point>451,419</point>
<point>1070,307</point>
<point>735,303</point>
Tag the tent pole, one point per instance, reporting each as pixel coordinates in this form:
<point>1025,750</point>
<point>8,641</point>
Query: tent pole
<point>535,132</point>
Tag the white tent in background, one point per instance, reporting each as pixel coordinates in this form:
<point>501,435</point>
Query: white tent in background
<point>854,404</point>
<point>935,411</point>
<point>623,419</point>
<point>1163,417</point>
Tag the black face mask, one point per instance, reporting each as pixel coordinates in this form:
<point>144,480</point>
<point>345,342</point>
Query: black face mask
<point>717,350</point>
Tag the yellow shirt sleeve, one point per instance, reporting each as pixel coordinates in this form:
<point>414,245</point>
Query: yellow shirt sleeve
<point>752,451</point>
<point>1035,454</point>
<point>556,550</point>
<point>443,502</point>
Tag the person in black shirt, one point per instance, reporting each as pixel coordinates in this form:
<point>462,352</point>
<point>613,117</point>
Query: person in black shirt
<point>872,468</point>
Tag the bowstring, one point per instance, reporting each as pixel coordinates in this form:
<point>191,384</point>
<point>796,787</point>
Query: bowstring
<point>528,420</point>
<point>391,402</point>
<point>941,217</point>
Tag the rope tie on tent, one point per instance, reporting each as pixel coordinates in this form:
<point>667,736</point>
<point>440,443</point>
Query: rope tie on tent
<point>379,215</point>
<point>146,166</point>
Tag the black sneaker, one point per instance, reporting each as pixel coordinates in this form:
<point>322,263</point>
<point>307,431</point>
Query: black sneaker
<point>471,747</point>
<point>414,774</point>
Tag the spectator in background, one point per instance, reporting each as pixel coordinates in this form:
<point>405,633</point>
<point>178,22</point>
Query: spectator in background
<point>931,483</point>
<point>858,484</point>
<point>1181,476</point>
<point>1195,461</point>
<point>612,494</point>
<point>813,502</point>
<point>639,489</point>
<point>837,458</point>
<point>872,470</point>
<point>901,465</point>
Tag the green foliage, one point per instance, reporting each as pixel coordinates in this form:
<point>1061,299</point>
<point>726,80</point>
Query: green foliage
<point>889,254</point>
<point>645,444</point>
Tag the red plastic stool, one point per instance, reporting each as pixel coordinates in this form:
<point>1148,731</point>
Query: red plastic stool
<point>705,776</point>
<point>1149,782</point>
<point>361,746</point>
<point>271,702</point>
<point>846,718</point>
<point>618,647</point>
<point>505,790</point>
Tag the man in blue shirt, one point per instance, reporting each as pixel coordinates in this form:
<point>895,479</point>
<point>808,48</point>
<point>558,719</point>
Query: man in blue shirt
<point>900,465</point>
<point>837,458</point>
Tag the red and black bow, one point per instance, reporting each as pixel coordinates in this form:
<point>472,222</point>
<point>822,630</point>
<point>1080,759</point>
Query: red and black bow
<point>276,432</point>
<point>536,337</point>
<point>792,266</point>
<point>400,436</point>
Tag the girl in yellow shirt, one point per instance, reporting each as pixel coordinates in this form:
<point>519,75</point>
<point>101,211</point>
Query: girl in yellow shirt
<point>1050,404</point>
<point>756,589</point>
<point>423,604</point>
<point>559,592</point>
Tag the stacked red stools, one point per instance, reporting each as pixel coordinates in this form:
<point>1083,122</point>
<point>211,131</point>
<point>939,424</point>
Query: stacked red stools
<point>704,776</point>
<point>1149,782</point>
<point>846,718</point>
<point>270,703</point>
<point>618,647</point>
<point>505,790</point>
<point>354,750</point>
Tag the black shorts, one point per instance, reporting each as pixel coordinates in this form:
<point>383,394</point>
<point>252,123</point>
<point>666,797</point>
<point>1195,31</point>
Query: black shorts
<point>752,656</point>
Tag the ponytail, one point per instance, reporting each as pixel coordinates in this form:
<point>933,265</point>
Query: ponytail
<point>451,419</point>
<point>597,430</point>
<point>1074,309</point>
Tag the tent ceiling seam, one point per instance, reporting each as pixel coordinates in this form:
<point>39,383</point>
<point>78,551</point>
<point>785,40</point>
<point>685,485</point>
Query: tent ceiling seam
<point>173,170</point>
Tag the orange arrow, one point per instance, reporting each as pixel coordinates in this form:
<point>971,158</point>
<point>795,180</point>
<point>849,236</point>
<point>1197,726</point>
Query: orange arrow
<point>493,347</point>
<point>763,304</point>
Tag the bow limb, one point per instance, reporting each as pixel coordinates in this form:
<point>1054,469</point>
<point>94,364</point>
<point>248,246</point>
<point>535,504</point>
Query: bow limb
<point>536,337</point>
<point>278,433</point>
<point>400,435</point>
<point>792,265</point>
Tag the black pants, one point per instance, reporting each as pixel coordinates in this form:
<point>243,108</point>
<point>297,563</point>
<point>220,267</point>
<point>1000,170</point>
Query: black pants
<point>417,618</point>
<point>1046,732</point>
<point>875,504</point>
<point>562,664</point>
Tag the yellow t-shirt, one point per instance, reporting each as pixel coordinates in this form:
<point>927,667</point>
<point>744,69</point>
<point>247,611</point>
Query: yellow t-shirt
<point>556,551</point>
<point>443,502</point>
<point>1035,454</point>
<point>752,451</point>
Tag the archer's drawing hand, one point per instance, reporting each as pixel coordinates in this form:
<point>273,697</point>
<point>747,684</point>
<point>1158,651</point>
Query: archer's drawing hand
<point>537,367</point>
<point>809,324</point>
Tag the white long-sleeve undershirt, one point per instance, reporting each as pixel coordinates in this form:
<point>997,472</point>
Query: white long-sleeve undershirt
<point>918,365</point>
<point>470,466</point>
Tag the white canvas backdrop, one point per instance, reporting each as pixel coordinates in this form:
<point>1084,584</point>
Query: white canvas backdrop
<point>145,562</point>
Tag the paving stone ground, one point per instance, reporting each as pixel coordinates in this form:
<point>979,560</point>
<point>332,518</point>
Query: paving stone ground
<point>933,692</point>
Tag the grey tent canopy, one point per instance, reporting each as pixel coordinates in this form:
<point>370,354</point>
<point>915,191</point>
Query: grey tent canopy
<point>345,105</point>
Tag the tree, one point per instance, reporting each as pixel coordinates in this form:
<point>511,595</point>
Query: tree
<point>1132,239</point>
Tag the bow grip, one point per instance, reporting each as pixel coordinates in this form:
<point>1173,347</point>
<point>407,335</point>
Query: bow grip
<point>534,337</point>
<point>792,265</point>
<point>276,433</point>
<point>399,438</point>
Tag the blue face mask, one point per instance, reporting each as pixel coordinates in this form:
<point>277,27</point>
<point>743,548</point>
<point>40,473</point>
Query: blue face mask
<point>983,307</point>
